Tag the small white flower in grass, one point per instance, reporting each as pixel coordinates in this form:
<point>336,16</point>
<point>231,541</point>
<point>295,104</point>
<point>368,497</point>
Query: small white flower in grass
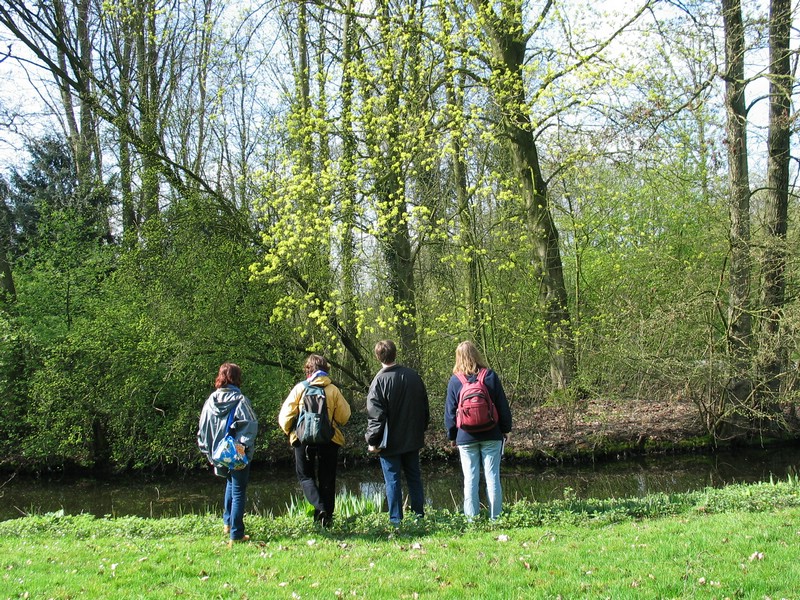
<point>756,556</point>
<point>311,542</point>
<point>416,546</point>
<point>701,581</point>
<point>502,537</point>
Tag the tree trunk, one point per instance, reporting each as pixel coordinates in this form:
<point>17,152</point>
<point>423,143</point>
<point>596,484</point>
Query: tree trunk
<point>8,292</point>
<point>739,306</point>
<point>147,61</point>
<point>347,247</point>
<point>130,224</point>
<point>773,351</point>
<point>454,90</point>
<point>508,43</point>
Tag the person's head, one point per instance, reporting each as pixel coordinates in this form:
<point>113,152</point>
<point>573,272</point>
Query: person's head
<point>386,352</point>
<point>468,359</point>
<point>314,363</point>
<point>229,374</point>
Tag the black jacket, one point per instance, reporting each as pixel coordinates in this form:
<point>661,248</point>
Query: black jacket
<point>397,396</point>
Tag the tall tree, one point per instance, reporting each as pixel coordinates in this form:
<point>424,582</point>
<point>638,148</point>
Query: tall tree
<point>455,87</point>
<point>8,291</point>
<point>508,38</point>
<point>739,306</point>
<point>774,352</point>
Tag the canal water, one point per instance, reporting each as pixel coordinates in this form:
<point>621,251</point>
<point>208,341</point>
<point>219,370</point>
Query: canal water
<point>271,490</point>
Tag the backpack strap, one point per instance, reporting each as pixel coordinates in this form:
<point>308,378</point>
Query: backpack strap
<point>231,416</point>
<point>481,376</point>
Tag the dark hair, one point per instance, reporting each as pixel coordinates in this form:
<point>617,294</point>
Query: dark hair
<point>314,363</point>
<point>229,374</point>
<point>386,352</point>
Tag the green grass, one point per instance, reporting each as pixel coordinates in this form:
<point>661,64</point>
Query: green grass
<point>737,542</point>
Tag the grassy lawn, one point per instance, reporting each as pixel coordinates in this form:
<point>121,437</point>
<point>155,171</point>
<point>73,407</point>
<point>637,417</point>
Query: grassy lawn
<point>741,542</point>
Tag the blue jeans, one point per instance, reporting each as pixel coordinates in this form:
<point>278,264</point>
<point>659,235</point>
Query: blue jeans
<point>472,455</point>
<point>233,507</point>
<point>393,467</point>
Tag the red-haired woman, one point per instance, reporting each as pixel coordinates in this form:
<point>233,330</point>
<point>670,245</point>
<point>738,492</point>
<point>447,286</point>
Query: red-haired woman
<point>214,427</point>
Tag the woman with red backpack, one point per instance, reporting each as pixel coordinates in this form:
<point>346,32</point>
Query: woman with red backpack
<point>477,419</point>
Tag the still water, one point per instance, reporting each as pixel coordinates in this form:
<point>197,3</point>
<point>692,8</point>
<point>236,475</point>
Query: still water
<point>271,489</point>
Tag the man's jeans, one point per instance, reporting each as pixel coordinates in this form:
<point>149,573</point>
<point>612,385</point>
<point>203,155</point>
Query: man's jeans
<point>393,467</point>
<point>472,455</point>
<point>233,507</point>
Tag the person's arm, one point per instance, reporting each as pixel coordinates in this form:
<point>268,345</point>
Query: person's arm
<point>202,432</point>
<point>501,402</point>
<point>341,408</point>
<point>245,425</point>
<point>290,409</point>
<point>376,413</point>
<point>427,405</point>
<point>450,405</point>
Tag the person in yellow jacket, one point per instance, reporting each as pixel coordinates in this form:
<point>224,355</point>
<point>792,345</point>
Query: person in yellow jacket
<point>316,463</point>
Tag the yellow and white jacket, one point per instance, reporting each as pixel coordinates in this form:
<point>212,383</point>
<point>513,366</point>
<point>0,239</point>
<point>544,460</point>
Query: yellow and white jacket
<point>338,409</point>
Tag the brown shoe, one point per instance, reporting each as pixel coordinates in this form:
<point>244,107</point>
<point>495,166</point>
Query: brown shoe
<point>226,529</point>
<point>245,538</point>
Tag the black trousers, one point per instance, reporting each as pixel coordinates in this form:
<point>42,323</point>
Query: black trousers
<point>316,472</point>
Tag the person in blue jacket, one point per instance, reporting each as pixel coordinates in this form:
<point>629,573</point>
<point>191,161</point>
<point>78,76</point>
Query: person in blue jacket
<point>478,448</point>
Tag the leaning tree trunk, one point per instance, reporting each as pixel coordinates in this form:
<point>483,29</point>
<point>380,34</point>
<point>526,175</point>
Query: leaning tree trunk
<point>508,42</point>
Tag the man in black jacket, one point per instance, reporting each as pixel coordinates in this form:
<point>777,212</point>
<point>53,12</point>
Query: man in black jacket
<point>397,406</point>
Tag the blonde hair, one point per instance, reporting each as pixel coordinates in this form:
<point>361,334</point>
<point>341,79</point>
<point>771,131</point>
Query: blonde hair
<point>468,359</point>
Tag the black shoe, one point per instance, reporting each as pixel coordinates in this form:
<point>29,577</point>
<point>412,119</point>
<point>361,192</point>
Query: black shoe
<point>324,519</point>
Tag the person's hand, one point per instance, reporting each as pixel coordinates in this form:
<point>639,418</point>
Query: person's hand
<point>373,449</point>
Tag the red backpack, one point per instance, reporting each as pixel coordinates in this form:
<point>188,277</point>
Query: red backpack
<point>476,412</point>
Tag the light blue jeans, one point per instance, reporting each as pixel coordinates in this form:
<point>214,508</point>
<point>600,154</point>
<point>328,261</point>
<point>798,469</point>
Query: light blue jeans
<point>472,455</point>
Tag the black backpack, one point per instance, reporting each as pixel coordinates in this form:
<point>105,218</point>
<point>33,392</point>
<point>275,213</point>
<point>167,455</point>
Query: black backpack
<point>313,425</point>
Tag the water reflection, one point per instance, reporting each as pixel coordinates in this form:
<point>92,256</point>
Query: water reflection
<point>272,490</point>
